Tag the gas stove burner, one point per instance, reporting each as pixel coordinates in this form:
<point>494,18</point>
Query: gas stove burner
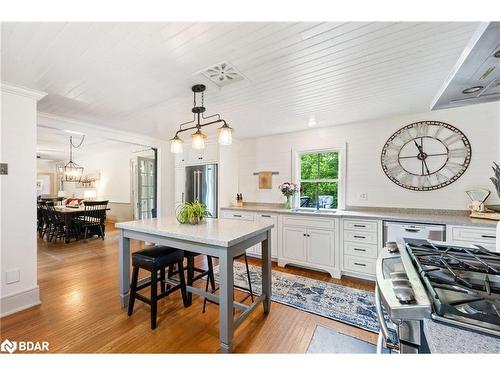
<point>483,307</point>
<point>462,282</point>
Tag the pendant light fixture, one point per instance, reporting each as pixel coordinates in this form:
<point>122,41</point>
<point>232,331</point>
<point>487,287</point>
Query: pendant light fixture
<point>71,171</point>
<point>198,138</point>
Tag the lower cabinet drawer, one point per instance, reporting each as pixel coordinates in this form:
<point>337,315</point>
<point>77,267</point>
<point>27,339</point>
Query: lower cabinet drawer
<point>240,215</point>
<point>359,236</point>
<point>358,264</point>
<point>474,235</point>
<point>361,250</point>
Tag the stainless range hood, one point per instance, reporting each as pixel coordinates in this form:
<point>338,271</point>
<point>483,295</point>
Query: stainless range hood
<point>475,78</point>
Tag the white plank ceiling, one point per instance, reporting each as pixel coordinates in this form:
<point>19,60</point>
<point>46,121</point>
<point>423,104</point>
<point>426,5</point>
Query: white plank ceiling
<point>137,76</point>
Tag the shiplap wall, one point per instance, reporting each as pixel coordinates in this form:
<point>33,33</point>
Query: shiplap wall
<point>480,123</point>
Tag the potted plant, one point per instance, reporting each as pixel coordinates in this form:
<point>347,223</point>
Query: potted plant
<point>288,189</point>
<point>192,213</point>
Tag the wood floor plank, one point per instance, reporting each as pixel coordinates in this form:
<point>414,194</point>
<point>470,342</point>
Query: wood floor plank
<point>81,313</point>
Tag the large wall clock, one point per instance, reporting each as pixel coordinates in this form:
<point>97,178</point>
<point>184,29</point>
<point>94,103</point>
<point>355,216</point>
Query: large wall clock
<point>426,155</point>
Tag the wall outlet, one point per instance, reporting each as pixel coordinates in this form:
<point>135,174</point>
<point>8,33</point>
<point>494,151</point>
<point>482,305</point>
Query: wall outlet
<point>12,276</point>
<point>363,196</point>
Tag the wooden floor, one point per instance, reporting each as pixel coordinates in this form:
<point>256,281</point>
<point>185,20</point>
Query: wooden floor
<point>81,313</point>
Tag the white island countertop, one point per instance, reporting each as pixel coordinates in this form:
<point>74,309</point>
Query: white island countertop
<point>217,232</point>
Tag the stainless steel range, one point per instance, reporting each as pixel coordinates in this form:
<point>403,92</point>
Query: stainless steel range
<point>463,283</point>
<point>431,279</point>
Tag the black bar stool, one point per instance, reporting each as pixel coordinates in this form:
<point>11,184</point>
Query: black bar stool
<point>156,259</point>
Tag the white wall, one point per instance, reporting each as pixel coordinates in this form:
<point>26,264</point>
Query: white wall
<point>165,158</point>
<point>19,286</point>
<point>480,123</point>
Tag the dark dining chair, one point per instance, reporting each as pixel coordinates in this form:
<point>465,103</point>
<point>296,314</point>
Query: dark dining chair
<point>55,227</point>
<point>92,220</point>
<point>40,222</point>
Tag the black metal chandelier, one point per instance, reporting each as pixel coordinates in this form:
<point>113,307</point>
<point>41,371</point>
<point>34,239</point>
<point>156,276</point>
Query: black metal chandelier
<point>198,138</point>
<point>71,171</point>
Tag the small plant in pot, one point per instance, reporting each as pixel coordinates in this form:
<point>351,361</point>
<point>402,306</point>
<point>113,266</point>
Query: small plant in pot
<point>192,213</point>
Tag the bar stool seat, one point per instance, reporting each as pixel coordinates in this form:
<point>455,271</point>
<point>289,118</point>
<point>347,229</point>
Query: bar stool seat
<point>156,259</point>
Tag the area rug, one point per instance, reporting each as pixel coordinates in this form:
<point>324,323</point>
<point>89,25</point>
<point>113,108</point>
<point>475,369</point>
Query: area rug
<point>326,340</point>
<point>347,305</point>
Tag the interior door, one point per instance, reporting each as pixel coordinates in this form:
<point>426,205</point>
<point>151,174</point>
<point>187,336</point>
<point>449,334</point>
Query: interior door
<point>146,188</point>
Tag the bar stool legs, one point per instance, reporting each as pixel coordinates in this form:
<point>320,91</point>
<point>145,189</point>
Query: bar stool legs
<point>156,260</point>
<point>211,281</point>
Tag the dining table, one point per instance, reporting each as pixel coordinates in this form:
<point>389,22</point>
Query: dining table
<point>68,213</point>
<point>224,239</point>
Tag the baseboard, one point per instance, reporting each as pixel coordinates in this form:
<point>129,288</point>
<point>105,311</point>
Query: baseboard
<point>19,301</point>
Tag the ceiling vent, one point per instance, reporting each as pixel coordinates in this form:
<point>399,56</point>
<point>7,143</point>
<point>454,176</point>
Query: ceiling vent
<point>222,74</point>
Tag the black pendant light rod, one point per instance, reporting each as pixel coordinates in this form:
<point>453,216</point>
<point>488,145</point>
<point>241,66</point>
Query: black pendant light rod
<point>198,113</point>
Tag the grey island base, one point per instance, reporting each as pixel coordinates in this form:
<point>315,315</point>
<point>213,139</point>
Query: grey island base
<point>221,238</point>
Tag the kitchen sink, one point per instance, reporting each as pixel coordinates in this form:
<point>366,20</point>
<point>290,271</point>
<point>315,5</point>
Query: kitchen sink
<point>314,211</point>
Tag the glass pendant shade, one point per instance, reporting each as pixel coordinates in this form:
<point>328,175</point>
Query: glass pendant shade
<point>198,140</point>
<point>176,145</point>
<point>225,135</point>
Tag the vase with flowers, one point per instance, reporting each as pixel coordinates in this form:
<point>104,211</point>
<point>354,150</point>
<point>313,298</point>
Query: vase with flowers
<point>288,189</point>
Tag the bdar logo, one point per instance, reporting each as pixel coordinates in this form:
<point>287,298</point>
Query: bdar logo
<point>8,346</point>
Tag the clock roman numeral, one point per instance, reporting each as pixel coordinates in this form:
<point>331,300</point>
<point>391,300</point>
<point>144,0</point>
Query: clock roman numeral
<point>454,138</point>
<point>458,152</point>
<point>453,167</point>
<point>422,130</point>
<point>405,136</point>
<point>424,181</point>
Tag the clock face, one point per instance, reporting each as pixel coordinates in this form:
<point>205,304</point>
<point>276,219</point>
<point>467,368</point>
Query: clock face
<point>426,155</point>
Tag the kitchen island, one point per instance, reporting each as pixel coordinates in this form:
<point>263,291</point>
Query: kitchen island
<point>221,238</point>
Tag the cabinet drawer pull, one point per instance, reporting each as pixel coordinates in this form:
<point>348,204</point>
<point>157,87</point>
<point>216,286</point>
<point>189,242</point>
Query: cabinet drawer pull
<point>360,226</point>
<point>359,236</point>
<point>358,249</point>
<point>360,264</point>
<point>236,215</point>
<point>265,215</point>
<point>488,236</point>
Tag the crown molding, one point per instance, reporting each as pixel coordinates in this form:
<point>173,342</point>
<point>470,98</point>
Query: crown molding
<point>22,91</point>
<point>53,121</point>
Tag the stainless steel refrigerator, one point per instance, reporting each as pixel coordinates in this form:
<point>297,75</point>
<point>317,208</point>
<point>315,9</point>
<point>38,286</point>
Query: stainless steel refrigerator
<point>201,185</point>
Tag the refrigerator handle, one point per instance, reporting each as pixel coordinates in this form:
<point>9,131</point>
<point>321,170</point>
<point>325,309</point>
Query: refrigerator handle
<point>195,185</point>
<point>199,184</point>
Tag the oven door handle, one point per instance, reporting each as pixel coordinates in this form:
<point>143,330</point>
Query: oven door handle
<point>384,331</point>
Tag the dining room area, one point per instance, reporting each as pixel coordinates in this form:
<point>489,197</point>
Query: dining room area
<point>86,183</point>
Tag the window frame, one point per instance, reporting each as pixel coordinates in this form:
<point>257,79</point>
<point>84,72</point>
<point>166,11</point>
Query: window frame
<point>341,178</point>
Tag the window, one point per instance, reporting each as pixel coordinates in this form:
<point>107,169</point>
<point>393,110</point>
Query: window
<point>319,179</point>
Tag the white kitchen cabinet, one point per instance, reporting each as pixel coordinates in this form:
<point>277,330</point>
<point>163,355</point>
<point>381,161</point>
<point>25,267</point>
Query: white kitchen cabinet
<point>360,242</point>
<point>310,242</point>
<point>180,185</point>
<point>256,251</point>
<point>320,246</point>
<point>268,219</point>
<point>295,243</point>
<point>483,236</point>
<point>191,156</point>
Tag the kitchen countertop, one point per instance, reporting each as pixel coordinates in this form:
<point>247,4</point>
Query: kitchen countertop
<point>400,215</point>
<point>443,338</point>
<point>218,232</point>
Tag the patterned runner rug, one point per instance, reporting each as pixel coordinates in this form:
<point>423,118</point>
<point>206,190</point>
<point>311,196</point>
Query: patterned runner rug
<point>348,305</point>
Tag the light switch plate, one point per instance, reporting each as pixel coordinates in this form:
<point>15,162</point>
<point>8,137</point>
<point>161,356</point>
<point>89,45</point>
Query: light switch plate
<point>12,276</point>
<point>4,168</point>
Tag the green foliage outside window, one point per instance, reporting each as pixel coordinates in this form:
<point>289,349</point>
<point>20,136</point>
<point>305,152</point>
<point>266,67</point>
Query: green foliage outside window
<point>319,179</point>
